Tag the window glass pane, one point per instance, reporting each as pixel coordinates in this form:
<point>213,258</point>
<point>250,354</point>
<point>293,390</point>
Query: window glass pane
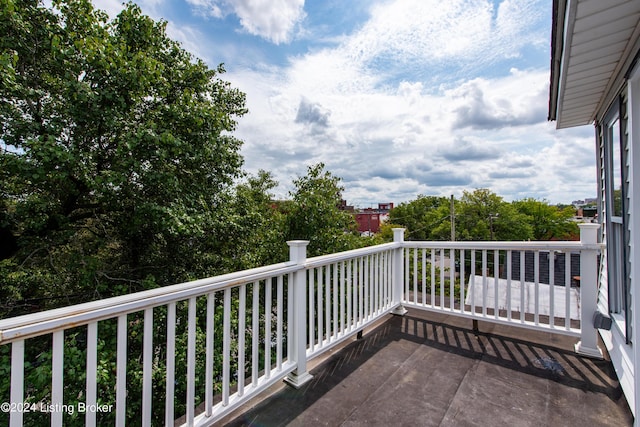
<point>616,167</point>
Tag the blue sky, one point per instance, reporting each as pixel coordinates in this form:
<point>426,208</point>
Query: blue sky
<point>396,97</point>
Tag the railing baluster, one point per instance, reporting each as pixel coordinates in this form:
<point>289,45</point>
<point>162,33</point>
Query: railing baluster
<point>374,271</point>
<point>171,364</point>
<point>374,284</point>
<point>496,284</point>
<point>415,276</point>
<point>380,270</point>
<point>290,301</point>
<point>567,290</point>
<point>57,377</point>
<point>423,254</point>
<point>508,262</point>
<point>209,350</point>
<point>433,278</point>
<point>121,371</point>
<point>255,334</point>
<point>354,294</point>
<point>147,353</point>
<point>342,304</point>
<point>407,277</point>
<point>380,282</point>
<point>242,337</point>
<point>441,264</point>
<point>191,360</point>
<point>536,270</point>
<point>226,346</point>
<point>552,289</point>
<point>484,283</point>
<point>472,281</point>
<point>279,326</point>
<point>367,287</point>
<point>361,301</point>
<point>348,285</point>
<point>336,328</point>
<point>267,327</point>
<point>389,279</point>
<point>522,286</point>
<point>452,278</point>
<point>462,281</point>
<point>327,301</point>
<point>386,280</point>
<point>311,311</point>
<point>320,307</point>
<point>17,382</point>
<point>92,368</point>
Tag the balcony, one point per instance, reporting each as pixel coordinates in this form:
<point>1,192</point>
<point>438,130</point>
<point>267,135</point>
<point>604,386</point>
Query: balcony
<point>433,369</point>
<point>480,331</point>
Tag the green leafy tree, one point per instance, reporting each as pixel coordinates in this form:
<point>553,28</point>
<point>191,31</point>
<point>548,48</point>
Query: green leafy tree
<point>314,214</point>
<point>117,153</point>
<point>420,216</point>
<point>256,225</point>
<point>439,221</point>
<point>548,222</point>
<point>116,174</point>
<point>385,235</point>
<point>483,215</point>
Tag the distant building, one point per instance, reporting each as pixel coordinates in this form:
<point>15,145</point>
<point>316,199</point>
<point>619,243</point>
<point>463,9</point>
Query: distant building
<point>386,207</point>
<point>587,211</point>
<point>344,207</point>
<point>585,202</point>
<point>369,220</point>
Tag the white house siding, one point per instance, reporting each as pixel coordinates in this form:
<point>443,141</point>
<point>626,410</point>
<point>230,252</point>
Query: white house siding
<point>603,294</point>
<point>634,212</point>
<point>622,354</point>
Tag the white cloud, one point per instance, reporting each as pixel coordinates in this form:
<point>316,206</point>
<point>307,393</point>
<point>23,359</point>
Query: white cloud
<point>429,29</point>
<point>404,140</point>
<point>207,7</point>
<point>420,36</point>
<point>423,98</point>
<point>112,7</point>
<point>481,105</point>
<point>274,20</point>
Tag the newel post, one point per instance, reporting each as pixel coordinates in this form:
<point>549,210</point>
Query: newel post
<point>298,329</point>
<point>588,344</point>
<point>398,273</point>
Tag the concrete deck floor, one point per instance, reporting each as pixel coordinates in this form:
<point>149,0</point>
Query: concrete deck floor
<point>432,370</point>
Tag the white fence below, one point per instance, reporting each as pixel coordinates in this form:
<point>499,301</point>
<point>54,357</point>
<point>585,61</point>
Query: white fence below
<point>520,297</point>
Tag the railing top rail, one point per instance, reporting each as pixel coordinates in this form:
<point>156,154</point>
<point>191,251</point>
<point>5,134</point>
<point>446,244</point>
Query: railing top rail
<point>81,314</point>
<point>510,245</point>
<point>40,323</point>
<point>342,256</point>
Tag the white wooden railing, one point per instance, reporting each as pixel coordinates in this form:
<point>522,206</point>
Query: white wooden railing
<point>191,338</point>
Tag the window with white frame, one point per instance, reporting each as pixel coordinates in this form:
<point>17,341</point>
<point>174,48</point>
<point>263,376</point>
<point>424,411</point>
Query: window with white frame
<point>614,137</point>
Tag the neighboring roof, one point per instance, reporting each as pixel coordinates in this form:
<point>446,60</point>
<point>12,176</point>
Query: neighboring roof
<point>593,43</point>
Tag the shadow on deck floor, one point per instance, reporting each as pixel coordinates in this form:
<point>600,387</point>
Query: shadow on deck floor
<point>432,370</point>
